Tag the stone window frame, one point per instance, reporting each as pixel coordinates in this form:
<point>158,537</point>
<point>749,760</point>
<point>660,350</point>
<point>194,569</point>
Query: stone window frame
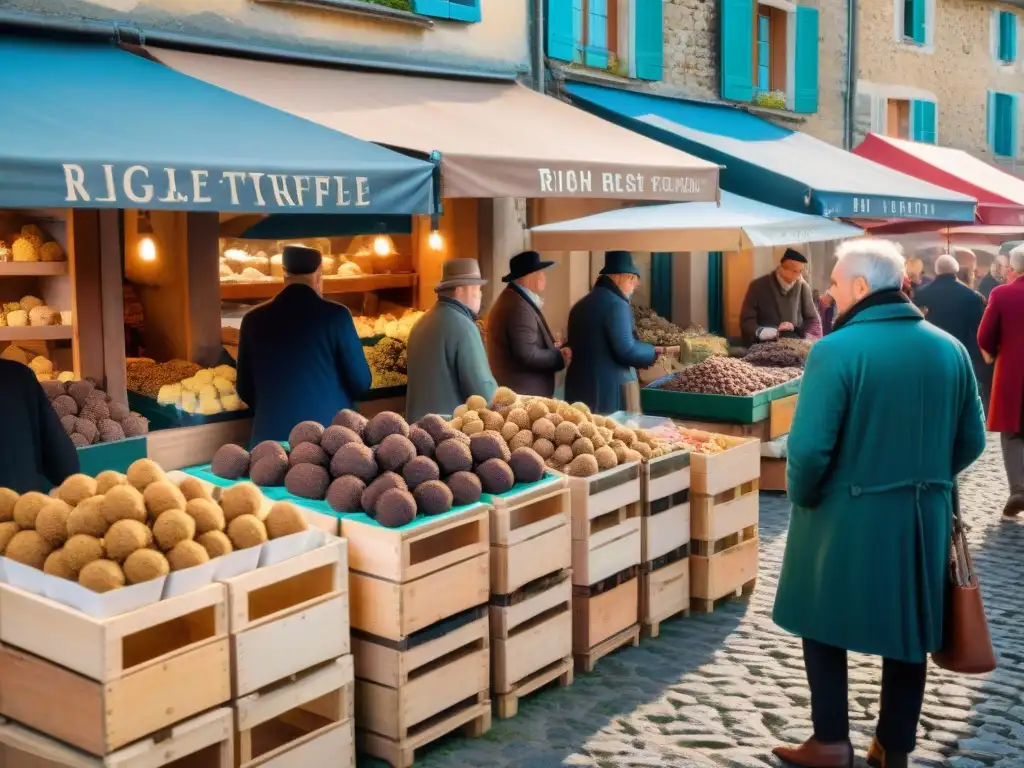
<point>790,10</point>
<point>929,28</point>
<point>881,95</point>
<point>1003,68</point>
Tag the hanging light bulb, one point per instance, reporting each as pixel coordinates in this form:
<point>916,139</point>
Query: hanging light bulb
<point>147,245</point>
<point>147,248</point>
<point>382,245</point>
<point>435,241</point>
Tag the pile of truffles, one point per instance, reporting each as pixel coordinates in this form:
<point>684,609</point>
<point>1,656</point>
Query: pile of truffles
<point>146,376</point>
<point>388,325</point>
<point>783,353</point>
<point>384,467</point>
<point>388,360</point>
<point>30,310</point>
<point>238,265</point>
<point>89,416</point>
<point>41,365</point>
<point>207,392</point>
<point>30,244</point>
<point>727,376</point>
<point>569,438</point>
<point>112,530</point>
<point>652,328</point>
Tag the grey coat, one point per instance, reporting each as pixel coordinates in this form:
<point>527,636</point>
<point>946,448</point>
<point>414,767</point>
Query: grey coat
<point>447,362</point>
<point>520,347</point>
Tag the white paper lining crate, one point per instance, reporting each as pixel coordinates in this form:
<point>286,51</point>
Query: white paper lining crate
<point>605,523</point>
<point>299,604</point>
<point>403,580</point>
<point>304,721</point>
<point>531,636</point>
<point>202,742</point>
<point>412,693</point>
<point>100,685</point>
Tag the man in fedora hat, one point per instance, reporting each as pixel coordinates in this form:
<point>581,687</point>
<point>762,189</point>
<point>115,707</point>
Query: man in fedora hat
<point>447,362</point>
<point>299,355</point>
<point>523,353</point>
<point>605,351</point>
<point>780,304</point>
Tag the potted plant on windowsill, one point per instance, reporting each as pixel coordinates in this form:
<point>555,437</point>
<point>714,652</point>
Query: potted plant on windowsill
<point>770,99</point>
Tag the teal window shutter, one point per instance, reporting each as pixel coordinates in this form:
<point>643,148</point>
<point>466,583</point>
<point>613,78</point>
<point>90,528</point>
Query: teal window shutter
<point>464,10</point>
<point>914,20</point>
<point>1005,128</point>
<point>649,42</point>
<point>561,41</point>
<point>716,285</point>
<point>439,9</point>
<point>805,87</point>
<point>736,44</point>
<point>661,284</point>
<point>596,52</point>
<point>924,119</point>
<point>990,120</point>
<point>764,53</point>
<point>1007,37</point>
<point>1014,108</point>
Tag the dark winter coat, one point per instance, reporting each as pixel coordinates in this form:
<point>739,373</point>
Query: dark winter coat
<point>1002,335</point>
<point>299,359</point>
<point>604,350</point>
<point>766,306</point>
<point>986,284</point>
<point>520,347</point>
<point>957,310</point>
<point>35,451</point>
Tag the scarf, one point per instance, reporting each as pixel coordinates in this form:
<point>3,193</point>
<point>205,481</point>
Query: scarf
<point>458,305</point>
<point>609,285</point>
<point>876,299</point>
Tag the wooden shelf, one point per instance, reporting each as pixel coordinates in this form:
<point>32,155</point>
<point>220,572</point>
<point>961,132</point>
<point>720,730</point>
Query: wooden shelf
<point>236,291</point>
<point>33,268</point>
<point>37,333</point>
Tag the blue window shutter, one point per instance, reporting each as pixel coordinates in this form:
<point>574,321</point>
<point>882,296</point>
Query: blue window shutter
<point>1014,107</point>
<point>805,87</point>
<point>596,51</point>
<point>923,113</point>
<point>1007,37</point>
<point>464,10</point>
<point>439,9</point>
<point>917,22</point>
<point>649,45</point>
<point>661,284</point>
<point>561,40</point>
<point>736,49</point>
<point>990,120</point>
<point>716,285</point>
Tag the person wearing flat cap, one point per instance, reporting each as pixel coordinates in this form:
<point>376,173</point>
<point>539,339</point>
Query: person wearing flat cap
<point>299,355</point>
<point>605,352</point>
<point>780,305</point>
<point>447,363</point>
<point>523,353</point>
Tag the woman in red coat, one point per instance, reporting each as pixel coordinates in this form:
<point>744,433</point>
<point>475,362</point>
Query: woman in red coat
<point>1001,336</point>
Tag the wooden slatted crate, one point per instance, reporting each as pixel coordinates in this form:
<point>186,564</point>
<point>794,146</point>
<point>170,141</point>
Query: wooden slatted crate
<point>90,682</point>
<point>300,604</point>
<point>723,545</point>
<point>303,721</point>
<point>605,523</point>
<point>202,742</point>
<point>605,618</point>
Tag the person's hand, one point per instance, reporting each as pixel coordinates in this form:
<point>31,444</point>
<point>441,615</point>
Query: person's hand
<point>559,340</point>
<point>659,351</point>
<point>767,334</point>
<point>989,359</point>
<point>566,355</point>
<point>672,351</point>
<point>785,326</point>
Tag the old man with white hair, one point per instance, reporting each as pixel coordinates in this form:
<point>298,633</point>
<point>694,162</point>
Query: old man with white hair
<point>996,276</point>
<point>871,473</point>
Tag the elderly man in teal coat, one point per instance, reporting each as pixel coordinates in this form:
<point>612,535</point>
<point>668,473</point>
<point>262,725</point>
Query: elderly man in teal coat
<point>888,415</point>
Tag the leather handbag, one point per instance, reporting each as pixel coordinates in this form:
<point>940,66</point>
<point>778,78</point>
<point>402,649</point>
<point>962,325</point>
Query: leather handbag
<point>966,644</point>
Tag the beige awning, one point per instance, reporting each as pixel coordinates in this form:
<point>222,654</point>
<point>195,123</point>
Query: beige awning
<point>496,139</point>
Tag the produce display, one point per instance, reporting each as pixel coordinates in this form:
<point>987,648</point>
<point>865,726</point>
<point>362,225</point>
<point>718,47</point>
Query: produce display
<point>29,311</point>
<point>41,365</point>
<point>783,353</point>
<point>114,530</point>
<point>695,344</point>
<point>30,244</point>
<point>238,265</point>
<point>146,375</point>
<point>387,325</point>
<point>727,376</point>
<point>89,416</point>
<point>388,360</point>
<point>207,392</point>
<point>569,438</point>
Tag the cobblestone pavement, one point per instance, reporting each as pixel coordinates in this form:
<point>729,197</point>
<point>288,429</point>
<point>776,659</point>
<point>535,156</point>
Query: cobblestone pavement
<point>722,689</point>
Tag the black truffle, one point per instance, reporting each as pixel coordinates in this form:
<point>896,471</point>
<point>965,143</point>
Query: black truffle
<point>334,437</point>
<point>305,432</point>
<point>346,494</point>
<point>309,453</point>
<point>424,443</point>
<point>267,448</point>
<point>394,452</point>
<point>420,470</point>
<point>488,445</point>
<point>433,425</point>
<point>465,488</point>
<point>396,508</point>
<point>433,498</point>
<point>307,481</point>
<point>527,465</point>
<point>496,476</point>
<point>354,459</point>
<point>454,456</point>
<point>230,462</point>
<point>270,470</point>
<point>383,424</point>
<point>373,491</point>
<point>350,420</point>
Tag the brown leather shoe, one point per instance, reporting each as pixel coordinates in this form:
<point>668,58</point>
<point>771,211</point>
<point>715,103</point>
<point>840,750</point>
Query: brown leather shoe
<point>1014,505</point>
<point>813,754</point>
<point>879,758</point>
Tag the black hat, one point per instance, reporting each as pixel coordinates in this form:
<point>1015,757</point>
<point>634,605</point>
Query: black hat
<point>300,260</point>
<point>619,263</point>
<point>791,255</point>
<point>523,264</point>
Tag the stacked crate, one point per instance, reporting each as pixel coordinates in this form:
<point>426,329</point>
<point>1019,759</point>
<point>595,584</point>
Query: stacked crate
<point>665,539</point>
<point>723,522</point>
<point>531,591</point>
<point>606,555</point>
<point>293,673</point>
<point>141,688</point>
<point>420,636</point>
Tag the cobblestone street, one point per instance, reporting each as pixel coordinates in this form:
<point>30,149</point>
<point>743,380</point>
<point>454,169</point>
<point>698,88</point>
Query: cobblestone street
<point>722,689</point>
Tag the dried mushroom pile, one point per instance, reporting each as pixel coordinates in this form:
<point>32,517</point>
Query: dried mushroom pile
<point>784,353</point>
<point>387,325</point>
<point>388,360</point>
<point>41,365</point>
<point>112,530</point>
<point>727,376</point>
<point>568,438</point>
<point>652,328</point>
<point>89,416</point>
<point>146,376</point>
<point>29,311</point>
<point>30,244</point>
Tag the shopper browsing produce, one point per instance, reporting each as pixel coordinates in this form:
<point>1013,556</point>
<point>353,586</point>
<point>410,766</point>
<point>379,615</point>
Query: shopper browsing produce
<point>299,356</point>
<point>780,304</point>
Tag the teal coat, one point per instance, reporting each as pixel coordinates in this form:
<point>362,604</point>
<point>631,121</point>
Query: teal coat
<point>888,415</point>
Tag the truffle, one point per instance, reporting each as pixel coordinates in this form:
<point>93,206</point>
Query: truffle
<point>383,424</point>
<point>309,453</point>
<point>562,455</point>
<point>643,449</point>
<point>53,388</point>
<point>87,518</point>
<point>27,507</point>
<point>504,396</point>
<point>395,508</point>
<point>95,409</point>
<point>80,390</point>
<point>87,429</point>
<point>433,497</point>
<point>536,410</point>
<point>488,445</point>
<point>28,548</point>
<point>216,544</point>
<point>7,531</point>
<point>433,425</point>
<point>385,482</point>
<point>520,418</point>
<point>123,502</point>
<point>453,456</point>
<point>193,488</point>
<point>523,439</point>
<point>476,403</point>
<point>544,448</point>
<point>472,427</point>
<point>544,428</point>
<point>173,527</point>
<point>583,465</point>
<point>80,550</point>
<point>334,437</point>
<point>354,459</point>
<point>555,419</point>
<point>351,420</point>
<point>420,470</point>
<point>307,481</point>
<point>208,516</point>
<point>56,565</point>
<point>247,531</point>
<point>566,433</point>
<point>189,554</point>
<point>305,432</point>
<point>65,406</point>
<point>606,458</point>
<point>581,446</point>
<point>423,441</point>
<point>527,465</point>
<point>111,431</point>
<point>79,441</point>
<point>52,522</point>
<point>241,499</point>
<point>143,472</point>
<point>119,411</point>
<point>496,476</point>
<point>265,449</point>
<point>162,496</point>
<point>285,519</point>
<point>269,471</point>
<point>145,565</point>
<point>101,576</point>
<point>509,430</point>
<point>230,462</point>
<point>394,452</point>
<point>492,421</point>
<point>124,537</point>
<point>465,488</point>
<point>69,423</point>
<point>76,489</point>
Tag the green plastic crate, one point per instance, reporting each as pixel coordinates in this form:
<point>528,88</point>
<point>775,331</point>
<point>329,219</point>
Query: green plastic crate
<point>117,456</point>
<point>749,409</point>
<point>170,417</point>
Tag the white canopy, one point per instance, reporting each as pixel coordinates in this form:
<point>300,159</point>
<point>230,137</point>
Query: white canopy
<point>735,225</point>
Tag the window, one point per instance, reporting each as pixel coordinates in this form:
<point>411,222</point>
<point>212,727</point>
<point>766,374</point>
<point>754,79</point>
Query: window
<point>897,119</point>
<point>1003,123</point>
<point>623,36</point>
<point>772,47</point>
<point>913,119</point>
<point>595,32</point>
<point>914,19</point>
<point>1006,37</point>
<point>456,10</point>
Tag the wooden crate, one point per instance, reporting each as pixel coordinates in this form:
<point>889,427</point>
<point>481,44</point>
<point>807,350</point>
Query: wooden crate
<point>203,742</point>
<point>712,474</point>
<point>305,721</point>
<point>725,568</point>
<point>604,492</point>
<point>530,535</point>
<point>300,604</point>
<point>606,544</point>
<point>405,579</point>
<point>663,477</point>
<point>101,674</point>
<point>531,638</point>
<point>780,418</point>
<point>407,698</point>
<point>715,517</point>
<point>665,589</point>
<point>604,618</point>
<point>773,475</point>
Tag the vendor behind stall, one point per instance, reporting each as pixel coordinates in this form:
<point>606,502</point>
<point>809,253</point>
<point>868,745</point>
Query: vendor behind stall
<point>780,304</point>
<point>299,356</point>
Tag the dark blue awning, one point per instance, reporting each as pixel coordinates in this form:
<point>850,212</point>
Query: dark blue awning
<point>775,165</point>
<point>93,126</point>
